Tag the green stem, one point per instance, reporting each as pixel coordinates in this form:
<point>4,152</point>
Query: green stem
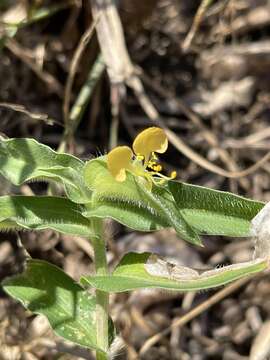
<point>84,96</point>
<point>102,298</point>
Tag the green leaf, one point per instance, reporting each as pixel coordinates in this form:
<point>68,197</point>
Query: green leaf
<point>131,216</point>
<point>23,160</point>
<point>45,289</point>
<point>214,212</point>
<point>139,271</point>
<point>132,204</point>
<point>43,212</point>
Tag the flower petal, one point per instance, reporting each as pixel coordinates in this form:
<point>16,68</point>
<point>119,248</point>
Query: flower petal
<point>118,160</point>
<point>150,140</point>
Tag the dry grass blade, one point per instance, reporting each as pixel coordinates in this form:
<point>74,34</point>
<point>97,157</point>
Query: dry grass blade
<point>201,161</point>
<point>249,140</point>
<point>22,54</point>
<point>220,295</point>
<point>196,23</point>
<point>34,116</point>
<point>260,348</point>
<point>180,145</point>
<point>255,18</point>
<point>208,135</point>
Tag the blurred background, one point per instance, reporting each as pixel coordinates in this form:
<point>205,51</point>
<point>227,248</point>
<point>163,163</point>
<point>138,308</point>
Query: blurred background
<point>204,67</point>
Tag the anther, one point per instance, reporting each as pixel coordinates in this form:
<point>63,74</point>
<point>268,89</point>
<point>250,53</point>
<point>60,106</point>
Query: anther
<point>140,157</point>
<point>154,156</point>
<point>157,168</point>
<point>173,174</point>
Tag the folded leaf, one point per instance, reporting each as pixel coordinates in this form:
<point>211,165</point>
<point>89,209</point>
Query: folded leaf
<point>23,160</point>
<point>132,204</point>
<point>139,271</point>
<point>214,212</point>
<point>45,289</point>
<point>43,212</point>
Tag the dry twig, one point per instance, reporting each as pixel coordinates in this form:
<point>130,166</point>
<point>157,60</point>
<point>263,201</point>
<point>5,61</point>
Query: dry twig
<point>180,145</point>
<point>220,295</point>
<point>22,54</point>
<point>196,23</point>
<point>34,116</point>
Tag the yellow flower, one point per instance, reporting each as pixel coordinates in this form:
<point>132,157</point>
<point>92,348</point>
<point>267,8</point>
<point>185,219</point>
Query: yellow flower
<point>142,161</point>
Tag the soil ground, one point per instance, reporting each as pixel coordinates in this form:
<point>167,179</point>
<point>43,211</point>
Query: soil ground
<point>213,93</point>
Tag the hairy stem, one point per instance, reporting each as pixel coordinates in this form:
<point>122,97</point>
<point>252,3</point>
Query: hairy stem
<point>102,298</point>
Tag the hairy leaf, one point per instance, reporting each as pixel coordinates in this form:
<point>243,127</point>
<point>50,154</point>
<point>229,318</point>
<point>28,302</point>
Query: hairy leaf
<point>23,160</point>
<point>45,289</point>
<point>136,218</point>
<point>214,212</point>
<point>136,271</point>
<point>43,212</point>
<point>132,204</point>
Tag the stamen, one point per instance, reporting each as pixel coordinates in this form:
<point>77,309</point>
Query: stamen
<point>139,157</point>
<point>151,164</point>
<point>154,156</point>
<point>157,168</point>
<point>159,181</point>
<point>173,174</point>
<point>163,177</point>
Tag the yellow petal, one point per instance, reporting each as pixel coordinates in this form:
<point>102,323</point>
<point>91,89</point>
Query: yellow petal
<point>150,140</point>
<point>118,160</point>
